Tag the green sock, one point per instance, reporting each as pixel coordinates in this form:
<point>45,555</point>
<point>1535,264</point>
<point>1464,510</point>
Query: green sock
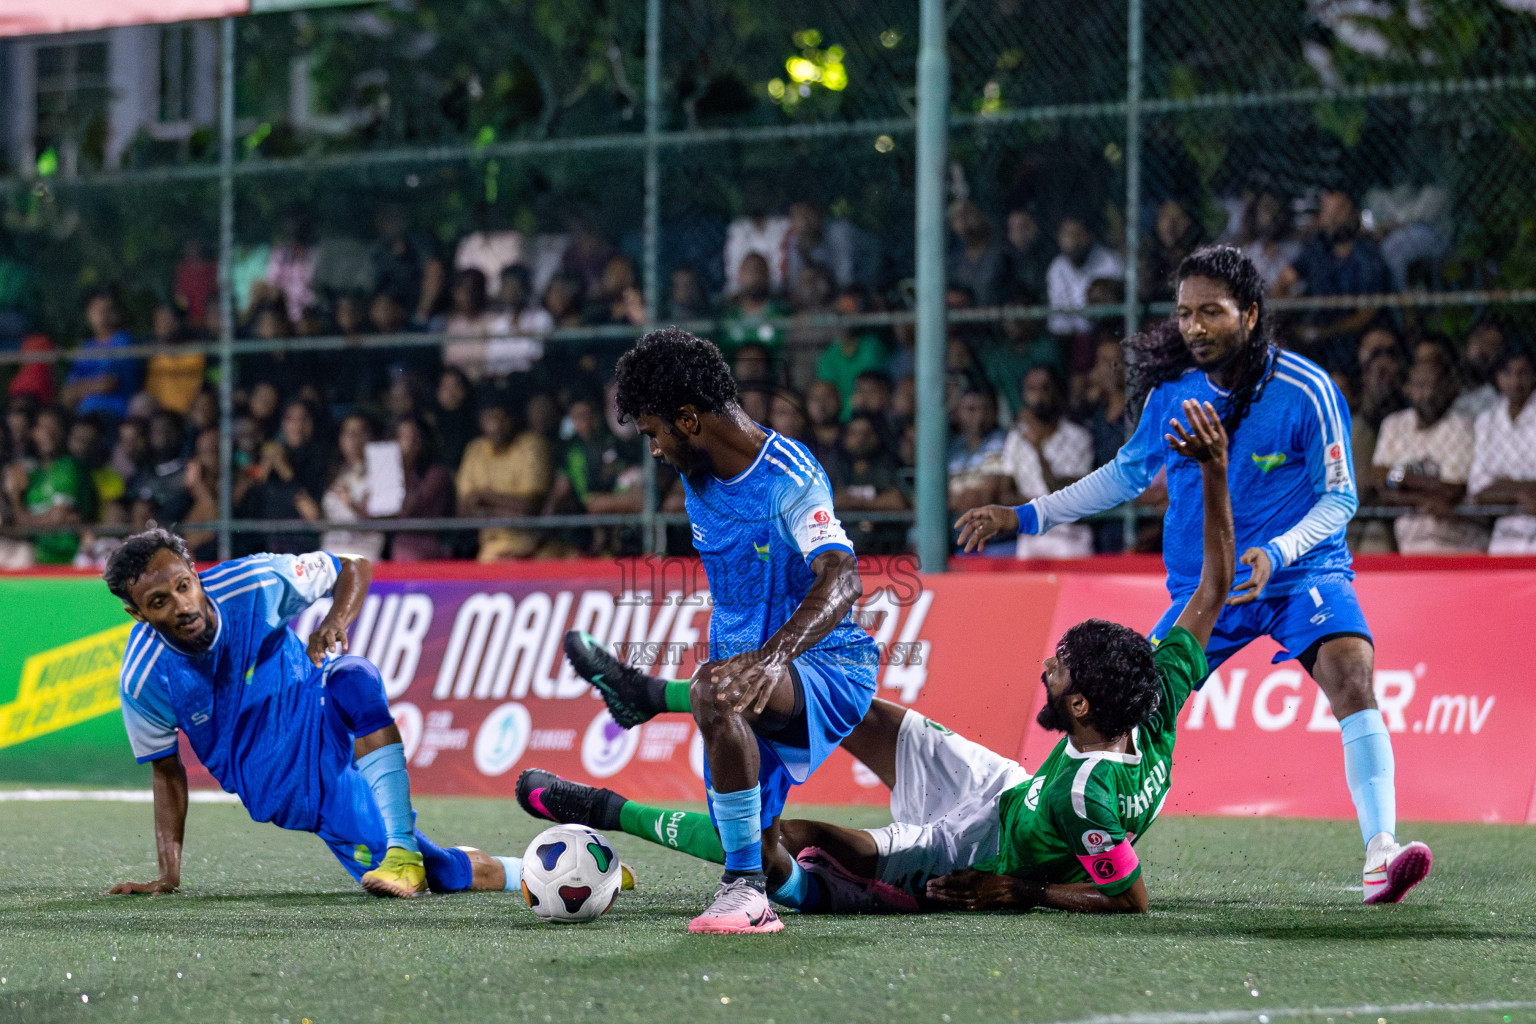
<point>686,831</point>
<point>676,696</point>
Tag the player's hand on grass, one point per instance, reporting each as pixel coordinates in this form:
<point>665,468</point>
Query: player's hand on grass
<point>155,888</point>
<point>1252,588</point>
<point>1205,440</point>
<point>979,525</point>
<point>325,637</point>
<point>745,683</point>
<point>981,890</point>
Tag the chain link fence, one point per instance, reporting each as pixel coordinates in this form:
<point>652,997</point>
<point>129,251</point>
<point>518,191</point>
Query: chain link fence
<point>1375,159</point>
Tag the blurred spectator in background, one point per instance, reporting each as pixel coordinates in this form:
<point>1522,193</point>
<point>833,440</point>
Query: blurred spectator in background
<point>824,408</point>
<point>563,300</point>
<point>687,298</point>
<point>750,307</point>
<point>1175,234</point>
<point>1029,256</point>
<point>100,383</point>
<point>1045,452</point>
<point>291,266</point>
<point>1337,260</point>
<point>291,477</point>
<point>87,445</point>
<point>527,325</point>
<point>428,492</point>
<point>130,448</point>
<point>195,283</point>
<point>19,415</point>
<point>787,415</point>
<point>853,351</point>
<point>812,239</point>
<point>1413,223</point>
<point>977,475</point>
<point>471,325</point>
<point>406,267</point>
<point>866,478</point>
<point>1266,237</point>
<point>1422,459</point>
<point>346,496</point>
<point>1480,360</point>
<point>201,480</point>
<point>174,379</point>
<point>872,392</point>
<point>976,259</point>
<point>903,408</point>
<point>752,365</point>
<point>1081,262</point>
<point>159,489</point>
<point>52,491</point>
<point>33,381</point>
<point>755,232</point>
<point>492,248</point>
<point>1504,456</point>
<point>1380,395</point>
<point>504,473</point>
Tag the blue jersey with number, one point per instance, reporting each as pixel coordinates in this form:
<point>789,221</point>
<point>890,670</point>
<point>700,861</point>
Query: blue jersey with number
<point>1290,451</point>
<point>251,704</point>
<point>757,534</point>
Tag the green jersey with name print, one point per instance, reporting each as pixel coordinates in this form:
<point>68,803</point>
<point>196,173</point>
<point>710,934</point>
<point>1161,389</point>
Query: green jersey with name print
<point>1076,819</point>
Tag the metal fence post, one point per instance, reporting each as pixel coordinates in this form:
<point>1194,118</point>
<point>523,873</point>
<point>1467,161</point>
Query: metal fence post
<point>932,152</point>
<point>226,280</point>
<point>1133,167</point>
<point>655,536</point>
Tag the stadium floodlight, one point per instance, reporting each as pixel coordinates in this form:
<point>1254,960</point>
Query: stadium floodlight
<point>42,17</point>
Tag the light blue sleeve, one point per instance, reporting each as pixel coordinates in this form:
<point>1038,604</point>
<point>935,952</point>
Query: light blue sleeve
<point>1324,439</point>
<point>803,513</point>
<point>1113,483</point>
<point>148,715</point>
<point>304,580</point>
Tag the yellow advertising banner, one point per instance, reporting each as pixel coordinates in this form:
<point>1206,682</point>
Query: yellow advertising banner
<point>64,686</point>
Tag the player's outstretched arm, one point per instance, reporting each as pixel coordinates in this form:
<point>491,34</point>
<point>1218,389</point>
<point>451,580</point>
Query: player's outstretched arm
<point>346,602</point>
<point>1205,441</point>
<point>747,680</point>
<point>170,789</point>
<point>980,890</point>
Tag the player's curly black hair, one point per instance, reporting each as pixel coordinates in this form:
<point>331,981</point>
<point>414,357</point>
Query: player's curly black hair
<point>1112,666</point>
<point>128,562</point>
<point>1159,355</point>
<point>668,369</point>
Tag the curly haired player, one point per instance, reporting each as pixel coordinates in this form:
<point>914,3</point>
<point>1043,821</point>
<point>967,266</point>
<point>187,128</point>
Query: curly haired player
<point>790,673</point>
<point>974,829</point>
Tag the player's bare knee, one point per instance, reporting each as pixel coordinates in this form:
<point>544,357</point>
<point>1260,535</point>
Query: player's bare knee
<point>1345,671</point>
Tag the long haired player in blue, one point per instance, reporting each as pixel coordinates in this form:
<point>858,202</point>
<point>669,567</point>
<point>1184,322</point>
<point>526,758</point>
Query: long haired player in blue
<point>790,673</point>
<point>303,736</point>
<point>1293,493</point>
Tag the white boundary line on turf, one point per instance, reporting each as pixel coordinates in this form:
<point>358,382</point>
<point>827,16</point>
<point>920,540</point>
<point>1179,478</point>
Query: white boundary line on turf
<point>1258,1013</point>
<point>124,796</point>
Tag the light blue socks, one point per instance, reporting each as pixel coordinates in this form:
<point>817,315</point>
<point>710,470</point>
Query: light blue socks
<point>738,816</point>
<point>1368,769</point>
<point>800,890</point>
<point>385,771</point>
<point>513,866</point>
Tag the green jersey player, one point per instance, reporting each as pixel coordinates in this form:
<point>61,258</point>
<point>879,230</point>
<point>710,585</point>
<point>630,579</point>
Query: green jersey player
<point>971,828</point>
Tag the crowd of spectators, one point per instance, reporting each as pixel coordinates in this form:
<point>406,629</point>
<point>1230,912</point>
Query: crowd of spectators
<point>489,417</point>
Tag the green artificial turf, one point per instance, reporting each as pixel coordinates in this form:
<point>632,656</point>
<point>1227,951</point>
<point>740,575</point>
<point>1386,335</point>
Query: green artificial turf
<point>1251,917</point>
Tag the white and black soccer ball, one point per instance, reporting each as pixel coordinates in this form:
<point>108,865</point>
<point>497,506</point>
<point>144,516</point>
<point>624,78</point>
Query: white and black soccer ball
<point>570,874</point>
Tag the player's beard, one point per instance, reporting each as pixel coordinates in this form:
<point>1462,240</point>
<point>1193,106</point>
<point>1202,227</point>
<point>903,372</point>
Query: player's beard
<point>1240,343</point>
<point>691,462</point>
<point>204,638</point>
<point>1051,716</point>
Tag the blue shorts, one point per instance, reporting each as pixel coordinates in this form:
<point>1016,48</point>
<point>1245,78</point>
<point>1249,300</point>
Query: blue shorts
<point>350,822</point>
<point>1296,621</point>
<point>838,686</point>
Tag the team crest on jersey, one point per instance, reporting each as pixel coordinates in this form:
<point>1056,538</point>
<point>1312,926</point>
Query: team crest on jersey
<point>1097,841</point>
<point>1268,462</point>
<point>1032,795</point>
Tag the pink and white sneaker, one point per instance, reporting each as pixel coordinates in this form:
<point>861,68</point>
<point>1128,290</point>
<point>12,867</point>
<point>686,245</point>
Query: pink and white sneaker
<point>739,908</point>
<point>848,893</point>
<point>1391,870</point>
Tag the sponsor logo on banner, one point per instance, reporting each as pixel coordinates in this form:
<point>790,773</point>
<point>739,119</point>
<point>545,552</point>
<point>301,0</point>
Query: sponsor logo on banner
<point>659,739</point>
<point>607,746</point>
<point>65,686</point>
<point>408,720</point>
<point>502,739</point>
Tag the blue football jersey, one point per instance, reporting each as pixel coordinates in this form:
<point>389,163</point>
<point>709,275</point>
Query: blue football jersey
<point>250,705</point>
<point>1290,450</point>
<point>757,534</point>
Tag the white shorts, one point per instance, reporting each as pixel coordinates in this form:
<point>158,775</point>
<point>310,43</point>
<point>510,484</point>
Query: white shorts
<point>945,804</point>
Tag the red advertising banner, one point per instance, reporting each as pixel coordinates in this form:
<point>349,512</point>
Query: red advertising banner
<point>471,659</point>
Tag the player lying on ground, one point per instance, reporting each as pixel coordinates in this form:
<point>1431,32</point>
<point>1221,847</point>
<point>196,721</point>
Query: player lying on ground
<point>972,828</point>
<point>304,738</point>
<point>790,672</point>
<point>1293,493</point>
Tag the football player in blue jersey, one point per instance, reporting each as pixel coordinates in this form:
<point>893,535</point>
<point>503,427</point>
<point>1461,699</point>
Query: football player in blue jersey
<point>1293,493</point>
<point>302,734</point>
<point>790,673</point>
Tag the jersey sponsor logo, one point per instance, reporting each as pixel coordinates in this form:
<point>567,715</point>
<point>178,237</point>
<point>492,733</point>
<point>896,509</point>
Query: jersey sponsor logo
<point>761,549</point>
<point>1336,471</point>
<point>1097,841</point>
<point>1104,868</point>
<point>1335,451</point>
<point>698,532</point>
<point>821,517</point>
<point>1268,462</point>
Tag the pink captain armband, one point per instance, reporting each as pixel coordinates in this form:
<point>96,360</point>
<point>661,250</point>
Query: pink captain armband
<point>1113,865</point>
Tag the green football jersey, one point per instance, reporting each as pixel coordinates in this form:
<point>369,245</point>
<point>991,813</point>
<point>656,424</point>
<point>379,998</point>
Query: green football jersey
<point>1076,819</point>
<point>61,482</point>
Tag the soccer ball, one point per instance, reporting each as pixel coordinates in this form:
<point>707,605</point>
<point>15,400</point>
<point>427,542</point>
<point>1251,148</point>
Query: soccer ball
<point>570,874</point>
